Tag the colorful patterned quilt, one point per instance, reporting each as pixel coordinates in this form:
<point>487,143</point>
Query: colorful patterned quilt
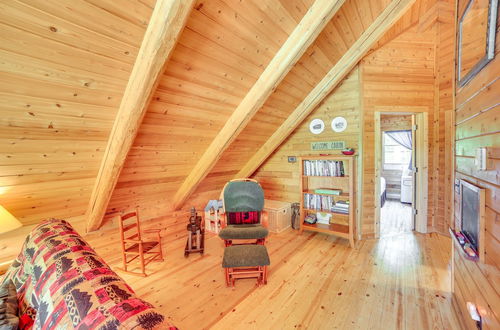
<point>63,284</point>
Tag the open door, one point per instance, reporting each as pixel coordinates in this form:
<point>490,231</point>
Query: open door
<point>414,169</point>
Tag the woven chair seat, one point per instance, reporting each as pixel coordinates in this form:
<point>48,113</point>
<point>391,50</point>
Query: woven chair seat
<point>245,256</point>
<point>146,247</point>
<point>254,231</point>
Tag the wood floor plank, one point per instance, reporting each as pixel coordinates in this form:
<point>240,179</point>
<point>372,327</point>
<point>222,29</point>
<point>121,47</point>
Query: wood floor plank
<point>316,281</point>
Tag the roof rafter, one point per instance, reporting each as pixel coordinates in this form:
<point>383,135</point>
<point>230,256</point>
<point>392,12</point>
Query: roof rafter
<point>287,56</point>
<point>394,10</point>
<point>165,26</point>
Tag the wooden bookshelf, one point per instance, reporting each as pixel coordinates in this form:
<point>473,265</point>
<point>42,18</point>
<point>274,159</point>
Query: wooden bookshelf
<point>341,224</point>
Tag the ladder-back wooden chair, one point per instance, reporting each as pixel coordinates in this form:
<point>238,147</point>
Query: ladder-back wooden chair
<point>134,247</point>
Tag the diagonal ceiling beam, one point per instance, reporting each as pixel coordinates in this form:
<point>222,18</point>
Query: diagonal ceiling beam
<point>292,50</point>
<point>165,26</point>
<point>351,58</point>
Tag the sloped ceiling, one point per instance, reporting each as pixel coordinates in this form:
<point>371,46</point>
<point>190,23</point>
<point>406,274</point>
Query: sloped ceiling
<point>224,48</point>
<point>64,65</point>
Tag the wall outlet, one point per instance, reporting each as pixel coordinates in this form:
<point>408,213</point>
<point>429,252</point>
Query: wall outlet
<point>292,159</point>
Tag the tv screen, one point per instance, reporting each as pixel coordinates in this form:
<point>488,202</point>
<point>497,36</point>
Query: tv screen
<point>470,213</point>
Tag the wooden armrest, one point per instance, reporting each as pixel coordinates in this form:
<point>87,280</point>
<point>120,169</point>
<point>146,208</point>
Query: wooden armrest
<point>152,230</point>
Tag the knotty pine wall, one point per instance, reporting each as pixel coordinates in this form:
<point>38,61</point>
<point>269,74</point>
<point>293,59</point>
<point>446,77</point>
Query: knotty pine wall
<point>477,118</point>
<point>413,72</point>
<point>221,53</point>
<point>63,67</point>
<point>398,77</point>
<point>223,50</point>
<point>280,179</point>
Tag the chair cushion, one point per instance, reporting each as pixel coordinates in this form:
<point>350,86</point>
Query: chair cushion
<point>244,232</point>
<point>245,256</point>
<point>243,196</point>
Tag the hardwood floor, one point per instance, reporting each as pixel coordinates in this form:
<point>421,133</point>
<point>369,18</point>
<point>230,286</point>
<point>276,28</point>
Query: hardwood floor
<point>395,218</point>
<point>316,282</point>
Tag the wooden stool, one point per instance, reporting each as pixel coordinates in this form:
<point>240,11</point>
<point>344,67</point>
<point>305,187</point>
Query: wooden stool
<point>245,261</point>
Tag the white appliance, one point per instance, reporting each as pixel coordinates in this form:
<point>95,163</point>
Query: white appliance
<point>406,186</point>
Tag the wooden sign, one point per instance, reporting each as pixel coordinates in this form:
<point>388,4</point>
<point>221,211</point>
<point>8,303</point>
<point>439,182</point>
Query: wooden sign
<point>331,145</point>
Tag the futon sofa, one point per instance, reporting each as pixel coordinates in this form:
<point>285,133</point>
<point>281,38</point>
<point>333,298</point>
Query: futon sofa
<point>62,283</point>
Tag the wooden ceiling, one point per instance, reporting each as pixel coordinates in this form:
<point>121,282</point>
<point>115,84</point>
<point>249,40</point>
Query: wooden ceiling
<point>65,65</point>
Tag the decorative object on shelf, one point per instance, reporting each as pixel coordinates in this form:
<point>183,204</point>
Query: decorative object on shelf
<point>339,124</point>
<point>213,212</point>
<point>196,234</point>
<point>330,145</point>
<point>348,151</point>
<point>317,126</point>
<point>476,38</point>
<point>7,221</point>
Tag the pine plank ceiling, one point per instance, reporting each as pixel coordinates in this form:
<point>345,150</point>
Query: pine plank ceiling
<point>64,66</point>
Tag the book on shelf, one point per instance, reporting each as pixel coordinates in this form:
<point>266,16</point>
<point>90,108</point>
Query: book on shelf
<point>336,192</point>
<point>323,167</point>
<point>341,207</point>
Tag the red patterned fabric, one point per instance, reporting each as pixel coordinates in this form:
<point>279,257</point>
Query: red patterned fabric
<point>238,218</point>
<point>63,284</point>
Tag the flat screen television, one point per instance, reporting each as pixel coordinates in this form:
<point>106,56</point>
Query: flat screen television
<point>472,211</point>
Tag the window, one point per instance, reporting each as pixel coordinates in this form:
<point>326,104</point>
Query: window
<point>394,153</point>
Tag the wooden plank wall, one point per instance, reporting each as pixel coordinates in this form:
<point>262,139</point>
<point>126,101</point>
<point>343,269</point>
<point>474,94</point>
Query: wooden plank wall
<point>223,50</point>
<point>477,118</point>
<point>63,68</point>
<point>399,77</point>
<point>280,179</point>
<point>393,176</point>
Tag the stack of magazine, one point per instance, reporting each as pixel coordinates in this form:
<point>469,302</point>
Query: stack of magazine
<point>323,168</point>
<point>341,207</point>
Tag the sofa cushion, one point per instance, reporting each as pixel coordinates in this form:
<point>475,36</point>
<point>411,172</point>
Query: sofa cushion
<point>243,232</point>
<point>8,306</point>
<point>63,284</point>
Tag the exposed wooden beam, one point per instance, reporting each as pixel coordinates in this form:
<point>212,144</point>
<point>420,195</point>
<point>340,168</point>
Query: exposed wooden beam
<point>351,58</point>
<point>167,21</point>
<point>311,25</point>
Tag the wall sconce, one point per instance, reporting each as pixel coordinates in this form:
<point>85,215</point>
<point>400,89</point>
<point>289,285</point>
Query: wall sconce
<point>474,314</point>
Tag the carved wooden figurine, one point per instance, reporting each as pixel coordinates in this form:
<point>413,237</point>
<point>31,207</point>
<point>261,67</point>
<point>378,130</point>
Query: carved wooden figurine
<point>196,234</point>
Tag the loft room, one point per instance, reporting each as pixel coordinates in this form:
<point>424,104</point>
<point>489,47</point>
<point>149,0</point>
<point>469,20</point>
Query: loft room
<point>357,140</point>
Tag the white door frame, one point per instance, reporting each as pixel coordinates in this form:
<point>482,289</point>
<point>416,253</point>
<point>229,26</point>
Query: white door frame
<point>422,144</point>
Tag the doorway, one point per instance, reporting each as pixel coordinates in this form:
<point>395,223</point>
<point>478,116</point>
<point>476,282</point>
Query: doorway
<point>400,169</point>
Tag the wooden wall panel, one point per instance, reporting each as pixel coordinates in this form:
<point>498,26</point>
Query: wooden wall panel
<point>398,77</point>
<point>223,50</point>
<point>281,179</point>
<point>63,68</point>
<point>476,124</point>
<point>345,27</point>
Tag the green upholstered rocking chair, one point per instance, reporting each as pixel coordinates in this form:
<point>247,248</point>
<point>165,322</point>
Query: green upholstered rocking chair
<point>244,217</point>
